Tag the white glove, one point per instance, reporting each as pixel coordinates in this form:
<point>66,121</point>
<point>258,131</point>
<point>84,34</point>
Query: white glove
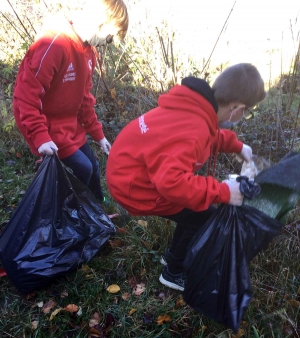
<point>47,148</point>
<point>105,145</point>
<point>245,154</point>
<point>236,197</point>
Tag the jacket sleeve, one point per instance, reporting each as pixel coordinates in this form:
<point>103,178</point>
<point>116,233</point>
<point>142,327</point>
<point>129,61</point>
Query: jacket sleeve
<point>38,69</point>
<point>227,142</point>
<point>174,178</point>
<point>87,116</point>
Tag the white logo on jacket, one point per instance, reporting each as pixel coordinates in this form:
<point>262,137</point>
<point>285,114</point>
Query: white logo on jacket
<point>143,125</point>
<point>90,64</point>
<point>70,74</point>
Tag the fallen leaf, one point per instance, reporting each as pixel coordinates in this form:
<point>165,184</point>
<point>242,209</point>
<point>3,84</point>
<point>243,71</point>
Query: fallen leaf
<point>180,302</point>
<point>146,244</point>
<point>143,272</point>
<point>142,223</point>
<point>114,288</point>
<point>2,273</point>
<point>40,304</point>
<point>134,280</point>
<point>95,319</point>
<point>293,302</point>
<point>48,306</point>
<point>18,154</point>
<point>122,230</point>
<point>132,311</point>
<point>162,296</point>
<point>126,296</point>
<point>71,308</point>
<point>113,93</point>
<point>55,312</point>
<point>139,289</point>
<point>117,243</point>
<point>34,325</point>
<point>239,334</point>
<point>163,319</point>
<point>64,294</point>
<point>30,295</point>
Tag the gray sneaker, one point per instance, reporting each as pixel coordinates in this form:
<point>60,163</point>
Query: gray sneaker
<point>173,281</point>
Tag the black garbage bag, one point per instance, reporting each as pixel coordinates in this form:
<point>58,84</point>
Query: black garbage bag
<point>280,187</point>
<point>57,226</point>
<point>218,282</point>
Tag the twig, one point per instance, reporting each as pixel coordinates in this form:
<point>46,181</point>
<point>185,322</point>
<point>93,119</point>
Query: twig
<point>21,22</point>
<point>218,38</point>
<point>295,127</point>
<point>12,25</point>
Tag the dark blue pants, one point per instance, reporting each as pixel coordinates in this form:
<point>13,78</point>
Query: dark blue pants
<point>86,168</point>
<point>188,223</point>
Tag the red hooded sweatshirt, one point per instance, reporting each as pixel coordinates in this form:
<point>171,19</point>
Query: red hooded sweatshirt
<point>151,166</point>
<point>52,99</point>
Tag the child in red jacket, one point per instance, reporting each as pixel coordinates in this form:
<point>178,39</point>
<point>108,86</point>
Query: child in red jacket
<point>152,164</point>
<point>53,106</point>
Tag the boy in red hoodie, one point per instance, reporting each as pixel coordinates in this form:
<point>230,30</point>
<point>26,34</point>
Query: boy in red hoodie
<point>53,106</point>
<point>152,164</point>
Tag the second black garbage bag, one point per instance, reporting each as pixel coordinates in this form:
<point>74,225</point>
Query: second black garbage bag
<point>218,282</point>
<point>57,226</point>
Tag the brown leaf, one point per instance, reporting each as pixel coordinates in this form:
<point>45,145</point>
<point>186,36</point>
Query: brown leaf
<point>48,306</point>
<point>117,243</point>
<point>30,295</point>
<point>180,302</point>
<point>163,319</point>
<point>122,230</point>
<point>146,244</point>
<point>143,272</point>
<point>134,280</point>
<point>126,296</point>
<point>71,308</point>
<point>139,289</point>
<point>113,93</point>
<point>239,334</point>
<point>293,302</point>
<point>114,288</point>
<point>95,319</point>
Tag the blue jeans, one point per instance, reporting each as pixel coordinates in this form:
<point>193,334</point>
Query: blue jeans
<point>86,168</point>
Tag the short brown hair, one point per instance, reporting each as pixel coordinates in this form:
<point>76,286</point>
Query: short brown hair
<point>239,83</point>
<point>117,14</point>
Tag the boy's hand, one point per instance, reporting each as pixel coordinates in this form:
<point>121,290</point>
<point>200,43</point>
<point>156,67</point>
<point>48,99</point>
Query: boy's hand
<point>105,145</point>
<point>245,154</point>
<point>236,197</point>
<point>47,148</point>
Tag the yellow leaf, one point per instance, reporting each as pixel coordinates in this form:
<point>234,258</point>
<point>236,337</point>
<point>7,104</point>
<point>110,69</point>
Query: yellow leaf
<point>143,272</point>
<point>71,308</point>
<point>125,113</point>
<point>55,312</point>
<point>126,296</point>
<point>132,311</point>
<point>142,223</point>
<point>113,93</point>
<point>180,302</point>
<point>114,288</point>
<point>239,334</point>
<point>34,324</point>
<point>48,306</point>
<point>163,319</point>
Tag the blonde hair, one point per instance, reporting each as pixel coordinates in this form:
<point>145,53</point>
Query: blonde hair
<point>239,83</point>
<point>116,12</point>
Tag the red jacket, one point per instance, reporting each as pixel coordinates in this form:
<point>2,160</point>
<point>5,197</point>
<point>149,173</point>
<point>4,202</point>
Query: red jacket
<point>52,99</point>
<point>151,166</point>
